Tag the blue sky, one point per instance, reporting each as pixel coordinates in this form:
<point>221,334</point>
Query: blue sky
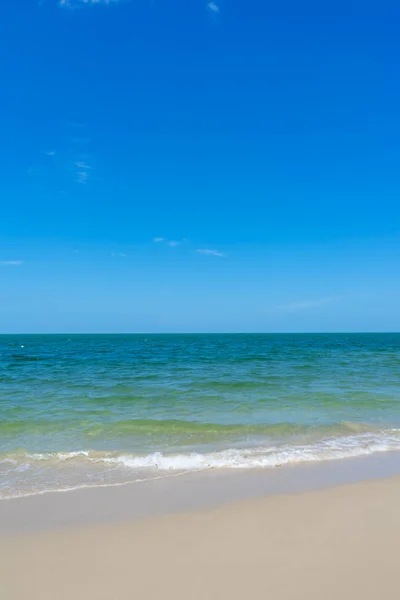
<point>184,166</point>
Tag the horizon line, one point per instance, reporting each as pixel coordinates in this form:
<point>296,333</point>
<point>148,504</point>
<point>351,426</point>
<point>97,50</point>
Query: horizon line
<point>206,333</point>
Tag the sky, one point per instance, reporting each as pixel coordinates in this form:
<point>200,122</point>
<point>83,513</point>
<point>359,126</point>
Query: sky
<point>184,166</point>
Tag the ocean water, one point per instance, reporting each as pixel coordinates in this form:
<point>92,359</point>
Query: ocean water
<point>86,410</point>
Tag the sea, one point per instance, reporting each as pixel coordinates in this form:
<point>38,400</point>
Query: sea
<point>93,410</point>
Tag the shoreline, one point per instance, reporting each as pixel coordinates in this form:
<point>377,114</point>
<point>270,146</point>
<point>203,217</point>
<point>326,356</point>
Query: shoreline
<point>340,542</point>
<point>183,492</point>
<point>29,473</point>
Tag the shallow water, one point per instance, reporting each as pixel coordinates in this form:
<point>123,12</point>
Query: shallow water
<point>92,409</point>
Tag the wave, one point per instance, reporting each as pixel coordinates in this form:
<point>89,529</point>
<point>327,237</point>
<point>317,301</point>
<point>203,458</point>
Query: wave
<point>23,473</point>
<point>234,458</point>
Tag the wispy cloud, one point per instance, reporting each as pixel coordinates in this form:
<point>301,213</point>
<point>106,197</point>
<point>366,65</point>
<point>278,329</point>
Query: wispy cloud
<point>293,306</point>
<point>7,263</point>
<point>77,3</point>
<point>210,252</point>
<point>82,173</point>
<point>172,243</point>
<point>82,177</point>
<point>82,165</point>
<point>119,254</point>
<point>50,153</point>
<point>212,7</point>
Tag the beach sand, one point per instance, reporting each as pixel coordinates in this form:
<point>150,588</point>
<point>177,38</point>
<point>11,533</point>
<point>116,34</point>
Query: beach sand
<point>342,542</point>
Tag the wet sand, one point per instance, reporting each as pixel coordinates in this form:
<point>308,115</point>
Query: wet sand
<point>341,542</point>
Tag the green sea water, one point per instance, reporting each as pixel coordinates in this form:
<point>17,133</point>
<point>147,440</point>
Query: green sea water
<point>79,410</point>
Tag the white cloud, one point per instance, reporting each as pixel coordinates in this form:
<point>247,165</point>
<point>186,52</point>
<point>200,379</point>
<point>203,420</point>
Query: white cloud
<point>82,165</point>
<point>77,3</point>
<point>212,7</point>
<point>311,304</point>
<point>82,177</point>
<point>172,243</point>
<point>210,252</point>
<point>118,254</point>
<point>50,153</point>
<point>5,263</point>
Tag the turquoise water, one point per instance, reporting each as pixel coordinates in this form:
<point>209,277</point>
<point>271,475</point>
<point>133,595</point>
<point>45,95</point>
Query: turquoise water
<point>79,410</point>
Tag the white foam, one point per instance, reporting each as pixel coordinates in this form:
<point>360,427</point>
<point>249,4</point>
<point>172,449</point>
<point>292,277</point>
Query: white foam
<point>263,457</point>
<point>58,455</point>
<point>112,468</point>
<point>240,458</point>
<point>22,468</point>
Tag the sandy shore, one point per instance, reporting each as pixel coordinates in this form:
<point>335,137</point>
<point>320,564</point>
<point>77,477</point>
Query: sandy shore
<point>337,543</point>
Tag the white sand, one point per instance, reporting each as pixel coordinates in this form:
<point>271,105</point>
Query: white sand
<point>338,543</point>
